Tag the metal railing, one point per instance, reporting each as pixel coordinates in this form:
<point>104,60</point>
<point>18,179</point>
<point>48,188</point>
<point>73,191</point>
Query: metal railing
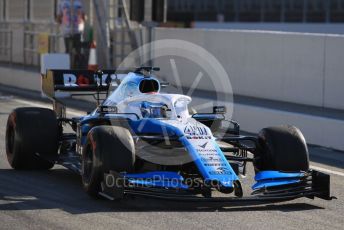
<point>116,34</point>
<point>31,52</point>
<point>121,44</point>
<point>6,46</point>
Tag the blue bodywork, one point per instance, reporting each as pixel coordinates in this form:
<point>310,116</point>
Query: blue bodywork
<point>154,126</point>
<point>225,175</point>
<point>275,178</point>
<point>174,180</point>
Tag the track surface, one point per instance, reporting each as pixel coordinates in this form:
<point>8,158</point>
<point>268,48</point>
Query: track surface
<point>55,199</point>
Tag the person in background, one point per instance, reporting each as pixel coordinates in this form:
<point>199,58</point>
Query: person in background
<point>87,36</point>
<point>87,39</point>
<point>71,17</point>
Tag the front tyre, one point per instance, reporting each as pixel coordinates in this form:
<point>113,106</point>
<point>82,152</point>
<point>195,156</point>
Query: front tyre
<point>282,148</point>
<point>107,148</point>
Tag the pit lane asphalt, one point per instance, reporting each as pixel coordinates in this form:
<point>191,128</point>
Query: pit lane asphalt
<point>56,200</point>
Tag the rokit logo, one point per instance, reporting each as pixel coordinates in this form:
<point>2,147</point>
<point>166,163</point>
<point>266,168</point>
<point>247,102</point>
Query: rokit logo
<point>73,80</point>
<point>195,131</point>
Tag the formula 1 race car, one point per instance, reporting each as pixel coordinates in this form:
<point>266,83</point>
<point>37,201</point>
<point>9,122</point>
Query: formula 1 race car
<point>141,142</point>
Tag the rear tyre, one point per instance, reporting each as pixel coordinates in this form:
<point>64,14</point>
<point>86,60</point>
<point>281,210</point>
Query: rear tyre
<point>282,148</point>
<point>107,148</point>
<point>32,138</point>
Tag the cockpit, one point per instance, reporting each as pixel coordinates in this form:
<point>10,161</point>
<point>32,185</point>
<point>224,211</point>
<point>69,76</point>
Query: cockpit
<point>155,110</point>
<point>133,85</point>
<point>141,95</point>
<point>149,86</point>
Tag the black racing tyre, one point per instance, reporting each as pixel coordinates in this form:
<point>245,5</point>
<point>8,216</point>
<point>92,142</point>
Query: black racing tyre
<point>106,148</point>
<point>32,136</point>
<point>282,148</point>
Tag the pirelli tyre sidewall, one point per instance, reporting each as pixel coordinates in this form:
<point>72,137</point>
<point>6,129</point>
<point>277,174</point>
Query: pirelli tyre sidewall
<point>32,136</point>
<point>282,148</point>
<point>107,148</point>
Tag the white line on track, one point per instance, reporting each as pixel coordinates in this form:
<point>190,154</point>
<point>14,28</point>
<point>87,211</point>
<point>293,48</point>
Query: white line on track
<point>74,113</point>
<point>327,170</point>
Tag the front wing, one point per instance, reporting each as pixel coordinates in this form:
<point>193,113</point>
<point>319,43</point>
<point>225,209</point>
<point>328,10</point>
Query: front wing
<point>313,184</point>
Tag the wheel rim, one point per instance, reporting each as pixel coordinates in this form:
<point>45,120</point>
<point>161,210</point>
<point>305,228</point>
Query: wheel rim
<point>87,164</point>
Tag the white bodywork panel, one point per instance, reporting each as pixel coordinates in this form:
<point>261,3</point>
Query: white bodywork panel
<point>128,98</point>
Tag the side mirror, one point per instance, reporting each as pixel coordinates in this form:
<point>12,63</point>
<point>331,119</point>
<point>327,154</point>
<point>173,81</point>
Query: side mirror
<point>164,85</point>
<point>219,110</point>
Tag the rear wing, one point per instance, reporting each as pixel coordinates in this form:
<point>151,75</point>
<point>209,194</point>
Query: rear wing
<point>61,83</point>
<point>76,82</point>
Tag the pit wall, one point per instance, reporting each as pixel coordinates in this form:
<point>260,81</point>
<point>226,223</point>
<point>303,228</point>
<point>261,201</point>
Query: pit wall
<point>292,67</point>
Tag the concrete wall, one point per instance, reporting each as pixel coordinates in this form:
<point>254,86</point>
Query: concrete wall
<point>18,43</point>
<point>29,80</point>
<point>334,72</point>
<point>291,67</point>
<point>2,16</point>
<point>324,28</point>
<point>317,130</point>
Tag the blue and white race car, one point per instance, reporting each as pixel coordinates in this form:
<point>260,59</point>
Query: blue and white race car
<point>139,141</point>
